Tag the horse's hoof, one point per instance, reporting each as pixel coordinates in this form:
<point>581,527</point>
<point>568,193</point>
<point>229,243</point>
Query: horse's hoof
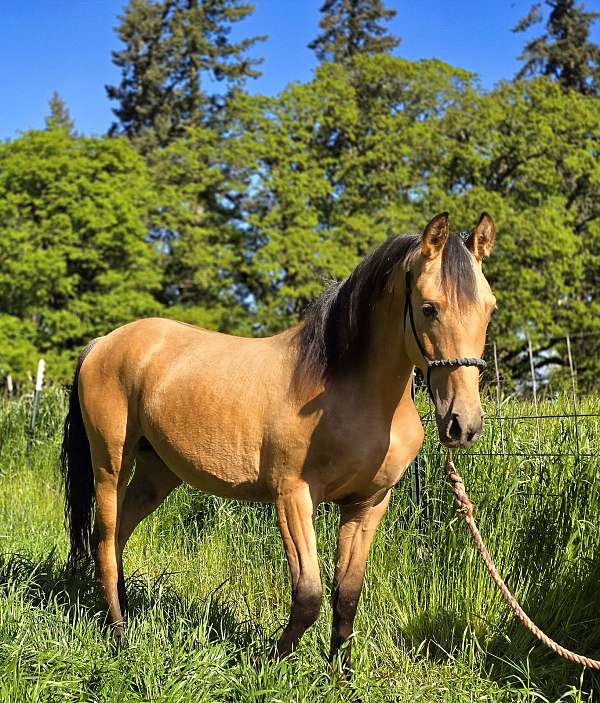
<point>278,653</point>
<point>119,638</point>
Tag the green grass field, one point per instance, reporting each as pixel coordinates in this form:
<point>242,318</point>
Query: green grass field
<point>209,588</point>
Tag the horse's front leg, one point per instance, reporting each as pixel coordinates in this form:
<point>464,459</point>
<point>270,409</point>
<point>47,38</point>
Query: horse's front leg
<point>295,513</point>
<point>358,522</point>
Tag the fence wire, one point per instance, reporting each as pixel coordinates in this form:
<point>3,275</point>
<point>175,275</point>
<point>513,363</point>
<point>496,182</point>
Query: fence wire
<point>575,440</point>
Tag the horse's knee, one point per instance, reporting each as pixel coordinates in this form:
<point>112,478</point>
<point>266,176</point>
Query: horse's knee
<point>307,602</point>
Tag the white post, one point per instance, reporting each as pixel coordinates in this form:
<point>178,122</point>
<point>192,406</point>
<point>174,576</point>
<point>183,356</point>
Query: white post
<point>39,379</point>
<point>39,382</point>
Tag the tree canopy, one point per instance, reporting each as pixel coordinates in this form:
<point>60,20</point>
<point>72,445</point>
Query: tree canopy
<point>170,47</point>
<point>74,257</point>
<point>238,221</point>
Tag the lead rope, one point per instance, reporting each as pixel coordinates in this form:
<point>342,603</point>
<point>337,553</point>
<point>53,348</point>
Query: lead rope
<point>465,507</point>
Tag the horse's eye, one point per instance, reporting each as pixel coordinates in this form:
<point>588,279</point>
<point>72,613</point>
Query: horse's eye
<point>430,310</point>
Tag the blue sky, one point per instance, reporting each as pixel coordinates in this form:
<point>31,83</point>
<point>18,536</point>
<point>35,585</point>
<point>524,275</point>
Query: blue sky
<point>66,45</point>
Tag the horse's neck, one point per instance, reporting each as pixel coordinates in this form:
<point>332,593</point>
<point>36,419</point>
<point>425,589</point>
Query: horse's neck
<point>381,379</point>
<point>388,374</point>
<point>385,374</point>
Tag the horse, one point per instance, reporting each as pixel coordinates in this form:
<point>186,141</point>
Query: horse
<point>320,412</point>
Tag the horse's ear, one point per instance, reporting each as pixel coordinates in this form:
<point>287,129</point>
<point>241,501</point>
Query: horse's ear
<point>481,240</point>
<point>435,236</point>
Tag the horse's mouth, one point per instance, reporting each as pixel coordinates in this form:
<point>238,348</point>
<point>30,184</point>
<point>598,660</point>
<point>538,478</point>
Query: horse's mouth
<point>456,433</point>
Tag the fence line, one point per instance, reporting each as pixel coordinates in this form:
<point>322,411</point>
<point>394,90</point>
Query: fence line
<point>524,455</point>
<point>429,418</point>
<point>575,417</point>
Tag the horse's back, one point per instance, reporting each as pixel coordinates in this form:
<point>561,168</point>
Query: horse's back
<point>167,349</point>
<point>203,399</point>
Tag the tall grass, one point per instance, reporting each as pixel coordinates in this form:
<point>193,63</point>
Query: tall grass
<point>209,586</point>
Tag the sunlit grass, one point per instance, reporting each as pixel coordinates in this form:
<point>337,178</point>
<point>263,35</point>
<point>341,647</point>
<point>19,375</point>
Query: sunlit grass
<point>209,587</point>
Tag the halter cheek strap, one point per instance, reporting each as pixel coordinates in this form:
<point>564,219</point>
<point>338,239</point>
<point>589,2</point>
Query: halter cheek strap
<point>433,363</point>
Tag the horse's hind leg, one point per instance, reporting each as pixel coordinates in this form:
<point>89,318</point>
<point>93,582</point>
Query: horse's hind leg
<point>151,484</point>
<point>295,512</point>
<point>112,463</point>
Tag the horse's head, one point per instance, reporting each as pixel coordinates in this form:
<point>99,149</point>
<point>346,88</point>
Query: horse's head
<point>451,304</point>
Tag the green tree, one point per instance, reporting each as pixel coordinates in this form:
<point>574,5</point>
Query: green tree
<point>75,260</point>
<point>374,147</point>
<point>351,27</point>
<point>565,52</point>
<point>170,47</point>
<point>336,170</point>
<point>59,117</point>
<point>198,228</point>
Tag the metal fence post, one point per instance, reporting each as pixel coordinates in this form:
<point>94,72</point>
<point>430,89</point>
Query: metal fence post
<point>574,392</point>
<point>534,388</point>
<point>498,396</point>
<point>415,473</point>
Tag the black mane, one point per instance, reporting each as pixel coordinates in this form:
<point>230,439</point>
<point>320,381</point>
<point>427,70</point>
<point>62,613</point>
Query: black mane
<point>336,325</point>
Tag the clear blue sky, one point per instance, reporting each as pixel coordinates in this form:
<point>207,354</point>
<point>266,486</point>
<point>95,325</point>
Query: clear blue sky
<point>66,45</point>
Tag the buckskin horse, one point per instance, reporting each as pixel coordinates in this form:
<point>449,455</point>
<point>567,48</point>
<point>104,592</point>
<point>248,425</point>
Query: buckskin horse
<point>321,412</point>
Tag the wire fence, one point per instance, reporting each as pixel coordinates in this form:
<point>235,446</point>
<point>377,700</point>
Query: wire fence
<point>575,440</point>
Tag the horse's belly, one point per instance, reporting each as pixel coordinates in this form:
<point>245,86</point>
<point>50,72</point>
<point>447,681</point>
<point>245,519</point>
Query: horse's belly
<point>215,449</point>
<point>215,467</point>
<point>211,479</point>
<point>204,414</point>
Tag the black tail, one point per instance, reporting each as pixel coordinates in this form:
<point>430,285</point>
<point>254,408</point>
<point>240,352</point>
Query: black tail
<point>77,474</point>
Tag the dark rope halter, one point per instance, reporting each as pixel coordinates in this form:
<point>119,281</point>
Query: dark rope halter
<point>433,363</point>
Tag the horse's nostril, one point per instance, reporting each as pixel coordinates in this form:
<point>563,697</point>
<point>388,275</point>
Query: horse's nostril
<point>470,435</point>
<point>454,431</point>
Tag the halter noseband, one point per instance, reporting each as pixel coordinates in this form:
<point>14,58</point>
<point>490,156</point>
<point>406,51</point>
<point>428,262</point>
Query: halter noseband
<point>434,363</point>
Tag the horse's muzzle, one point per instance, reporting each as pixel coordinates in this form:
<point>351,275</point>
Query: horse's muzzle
<point>457,430</point>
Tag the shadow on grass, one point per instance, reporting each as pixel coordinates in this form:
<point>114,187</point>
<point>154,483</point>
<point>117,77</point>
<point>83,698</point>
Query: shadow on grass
<point>565,606</point>
<point>47,581</point>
